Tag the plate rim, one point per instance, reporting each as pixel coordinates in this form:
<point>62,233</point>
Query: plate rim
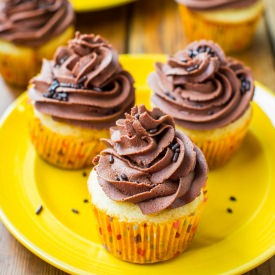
<point>68,268</point>
<point>86,6</point>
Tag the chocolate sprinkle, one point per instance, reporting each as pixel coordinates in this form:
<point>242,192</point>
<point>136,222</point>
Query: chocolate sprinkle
<point>61,96</point>
<point>97,89</point>
<point>54,86</point>
<point>192,53</point>
<point>111,159</point>
<point>245,86</point>
<point>39,209</point>
<point>82,79</point>
<point>199,105</point>
<point>51,93</point>
<point>175,157</point>
<point>202,49</point>
<point>232,198</point>
<point>67,85</point>
<point>192,68</point>
<point>229,210</point>
<point>175,146</point>
<point>123,177</point>
<point>210,113</point>
<point>63,59</point>
<point>206,49</point>
<point>84,174</point>
<point>167,93</point>
<point>210,51</point>
<point>242,77</point>
<point>47,95</point>
<point>75,211</point>
<point>85,200</point>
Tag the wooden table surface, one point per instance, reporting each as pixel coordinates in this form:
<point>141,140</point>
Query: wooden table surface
<point>141,27</point>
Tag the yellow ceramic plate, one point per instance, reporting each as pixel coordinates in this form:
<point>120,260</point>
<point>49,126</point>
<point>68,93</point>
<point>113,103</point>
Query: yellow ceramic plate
<point>86,5</point>
<point>226,243</point>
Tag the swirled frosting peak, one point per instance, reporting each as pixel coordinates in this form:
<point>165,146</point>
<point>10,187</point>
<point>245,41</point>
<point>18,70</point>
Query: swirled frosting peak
<point>216,4</point>
<point>150,164</point>
<point>84,85</point>
<point>33,23</point>
<point>201,87</point>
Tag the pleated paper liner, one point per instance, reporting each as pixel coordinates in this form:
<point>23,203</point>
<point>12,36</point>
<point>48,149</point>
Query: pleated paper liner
<point>219,148</point>
<point>147,242</point>
<point>67,152</point>
<point>231,37</point>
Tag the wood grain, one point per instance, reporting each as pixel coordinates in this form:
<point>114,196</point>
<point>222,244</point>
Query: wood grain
<point>16,259</point>
<point>270,23</point>
<point>111,24</point>
<point>141,27</point>
<point>156,28</point>
<point>8,95</point>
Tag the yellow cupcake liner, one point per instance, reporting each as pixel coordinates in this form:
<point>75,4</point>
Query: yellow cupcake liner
<point>67,152</point>
<point>144,242</point>
<point>218,152</point>
<point>220,148</point>
<point>19,64</point>
<point>231,37</point>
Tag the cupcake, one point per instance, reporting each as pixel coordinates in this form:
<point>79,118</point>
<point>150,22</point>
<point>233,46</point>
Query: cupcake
<point>30,31</point>
<point>208,95</point>
<point>230,23</point>
<point>76,98</point>
<point>147,188</point>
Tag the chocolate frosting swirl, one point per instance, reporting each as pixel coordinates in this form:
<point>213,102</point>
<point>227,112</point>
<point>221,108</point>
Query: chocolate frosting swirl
<point>150,164</point>
<point>32,23</point>
<point>202,88</point>
<point>84,85</point>
<point>216,4</point>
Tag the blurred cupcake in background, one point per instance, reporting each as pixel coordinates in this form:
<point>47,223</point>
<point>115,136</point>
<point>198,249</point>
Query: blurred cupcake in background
<point>208,95</point>
<point>77,97</point>
<point>230,23</point>
<point>30,31</point>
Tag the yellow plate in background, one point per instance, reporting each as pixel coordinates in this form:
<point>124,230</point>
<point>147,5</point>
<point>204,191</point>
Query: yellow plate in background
<point>226,243</point>
<point>87,5</point>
